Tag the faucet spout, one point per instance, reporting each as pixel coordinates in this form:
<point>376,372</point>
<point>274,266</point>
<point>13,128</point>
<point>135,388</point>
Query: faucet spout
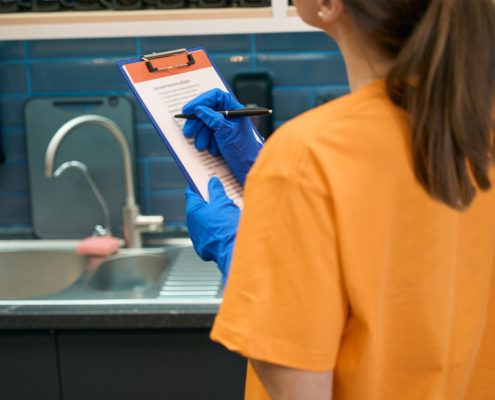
<point>79,165</point>
<point>114,129</point>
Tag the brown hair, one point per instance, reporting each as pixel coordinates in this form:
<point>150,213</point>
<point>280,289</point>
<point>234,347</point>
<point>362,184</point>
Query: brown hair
<point>444,75</point>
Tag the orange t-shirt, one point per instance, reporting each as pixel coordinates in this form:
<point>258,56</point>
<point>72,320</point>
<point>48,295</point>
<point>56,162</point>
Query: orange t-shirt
<point>344,262</point>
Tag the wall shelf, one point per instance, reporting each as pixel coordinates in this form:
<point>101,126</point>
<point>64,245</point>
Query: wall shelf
<point>65,17</point>
<point>91,24</point>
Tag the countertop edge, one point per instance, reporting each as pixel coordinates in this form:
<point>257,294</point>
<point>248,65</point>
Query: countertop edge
<point>140,320</point>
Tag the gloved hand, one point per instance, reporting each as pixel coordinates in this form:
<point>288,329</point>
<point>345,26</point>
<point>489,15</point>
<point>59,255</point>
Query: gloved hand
<point>234,138</point>
<point>213,226</point>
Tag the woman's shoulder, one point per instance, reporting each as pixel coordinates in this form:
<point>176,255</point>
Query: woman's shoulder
<point>287,150</point>
<point>358,116</point>
<point>370,103</point>
<point>358,126</point>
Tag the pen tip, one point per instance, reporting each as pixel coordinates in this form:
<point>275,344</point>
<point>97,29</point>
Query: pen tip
<point>270,111</point>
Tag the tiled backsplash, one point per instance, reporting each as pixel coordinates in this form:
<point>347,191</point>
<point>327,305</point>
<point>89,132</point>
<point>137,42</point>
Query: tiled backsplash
<point>304,66</point>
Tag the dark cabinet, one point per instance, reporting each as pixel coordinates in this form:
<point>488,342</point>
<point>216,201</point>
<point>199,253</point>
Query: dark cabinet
<point>175,364</point>
<point>147,364</point>
<point>28,366</point>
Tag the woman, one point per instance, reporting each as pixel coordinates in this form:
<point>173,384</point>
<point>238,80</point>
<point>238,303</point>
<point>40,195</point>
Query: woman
<point>366,242</point>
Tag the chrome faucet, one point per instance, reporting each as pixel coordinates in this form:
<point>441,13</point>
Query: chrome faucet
<point>99,230</point>
<point>134,222</point>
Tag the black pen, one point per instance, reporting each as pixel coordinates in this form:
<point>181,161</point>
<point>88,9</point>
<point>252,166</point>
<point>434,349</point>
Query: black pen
<point>241,112</point>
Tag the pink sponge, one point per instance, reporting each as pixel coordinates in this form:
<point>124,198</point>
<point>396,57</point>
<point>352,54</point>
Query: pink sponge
<point>101,246</point>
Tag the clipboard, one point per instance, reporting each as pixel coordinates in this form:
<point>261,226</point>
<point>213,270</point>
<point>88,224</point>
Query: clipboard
<point>159,73</point>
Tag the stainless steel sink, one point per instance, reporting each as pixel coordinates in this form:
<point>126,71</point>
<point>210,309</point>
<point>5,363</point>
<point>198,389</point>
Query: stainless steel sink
<point>126,272</point>
<point>27,274</point>
<point>50,273</point>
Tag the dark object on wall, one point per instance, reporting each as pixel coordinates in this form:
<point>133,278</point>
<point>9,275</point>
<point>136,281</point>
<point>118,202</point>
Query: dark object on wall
<point>128,5</point>
<point>8,6</point>
<point>255,90</point>
<point>24,4</point>
<point>254,3</point>
<point>87,5</point>
<point>166,4</point>
<point>123,4</point>
<point>82,5</point>
<point>46,5</point>
<point>66,207</point>
<point>69,4</point>
<point>207,3</point>
<point>170,3</point>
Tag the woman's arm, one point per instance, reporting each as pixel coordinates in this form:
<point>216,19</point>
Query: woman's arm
<point>284,383</point>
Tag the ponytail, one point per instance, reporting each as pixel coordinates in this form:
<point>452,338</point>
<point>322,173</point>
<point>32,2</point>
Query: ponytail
<point>444,75</point>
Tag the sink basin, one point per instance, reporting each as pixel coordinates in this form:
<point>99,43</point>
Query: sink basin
<point>125,272</point>
<point>26,274</point>
<point>49,273</point>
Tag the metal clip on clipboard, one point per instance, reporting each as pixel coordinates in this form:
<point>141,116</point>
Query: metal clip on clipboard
<point>154,56</point>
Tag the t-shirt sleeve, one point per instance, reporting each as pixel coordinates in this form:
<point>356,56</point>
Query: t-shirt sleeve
<point>285,301</point>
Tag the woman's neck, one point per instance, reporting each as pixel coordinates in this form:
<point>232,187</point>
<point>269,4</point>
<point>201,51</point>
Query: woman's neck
<point>363,63</point>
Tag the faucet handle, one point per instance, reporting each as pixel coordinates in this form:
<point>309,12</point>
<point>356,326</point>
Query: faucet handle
<point>149,223</point>
<point>135,224</point>
<point>100,231</point>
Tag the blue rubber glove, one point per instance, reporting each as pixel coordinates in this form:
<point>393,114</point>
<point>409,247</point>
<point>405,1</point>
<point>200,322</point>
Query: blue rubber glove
<point>213,226</point>
<point>234,138</point>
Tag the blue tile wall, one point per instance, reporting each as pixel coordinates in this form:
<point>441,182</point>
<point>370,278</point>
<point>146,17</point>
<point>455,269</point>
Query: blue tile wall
<point>83,48</point>
<point>15,210</point>
<point>11,50</point>
<point>13,178</point>
<point>221,44</point>
<point>14,146</point>
<point>229,66</point>
<point>13,78</point>
<point>288,103</point>
<point>149,144</point>
<point>140,116</point>
<point>166,175</point>
<point>292,42</point>
<point>171,205</point>
<point>56,77</point>
<point>306,69</point>
<point>11,111</point>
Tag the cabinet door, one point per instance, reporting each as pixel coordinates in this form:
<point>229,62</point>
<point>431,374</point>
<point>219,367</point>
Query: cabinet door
<point>137,365</point>
<point>28,366</point>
